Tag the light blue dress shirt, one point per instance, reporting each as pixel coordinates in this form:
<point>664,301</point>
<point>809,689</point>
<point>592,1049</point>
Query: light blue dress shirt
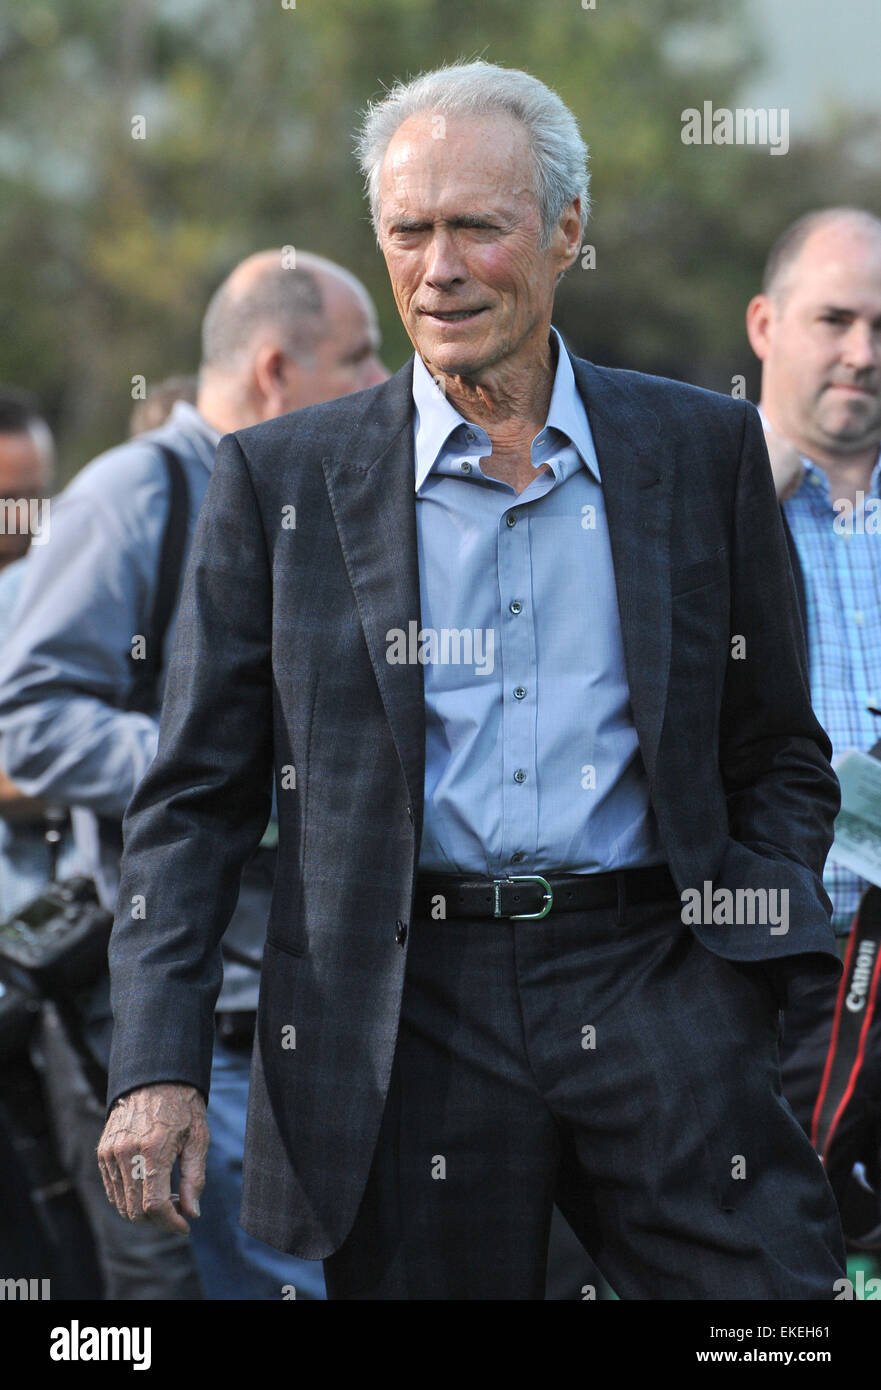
<point>65,732</point>
<point>24,854</point>
<point>532,758</point>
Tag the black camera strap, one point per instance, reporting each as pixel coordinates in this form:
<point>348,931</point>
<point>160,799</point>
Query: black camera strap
<point>144,693</point>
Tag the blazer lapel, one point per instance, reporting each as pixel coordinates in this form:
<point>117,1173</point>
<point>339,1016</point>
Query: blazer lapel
<point>371,483</point>
<point>636,467</point>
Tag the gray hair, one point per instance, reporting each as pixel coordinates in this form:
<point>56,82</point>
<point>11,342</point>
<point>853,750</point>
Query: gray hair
<point>559,155</point>
<point>287,299</point>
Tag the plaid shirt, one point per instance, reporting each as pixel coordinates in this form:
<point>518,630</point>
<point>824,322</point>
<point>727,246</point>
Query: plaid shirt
<point>841,563</point>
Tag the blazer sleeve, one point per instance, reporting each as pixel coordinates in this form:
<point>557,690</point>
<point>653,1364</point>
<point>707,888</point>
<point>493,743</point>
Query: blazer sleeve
<point>202,807</point>
<point>783,796</point>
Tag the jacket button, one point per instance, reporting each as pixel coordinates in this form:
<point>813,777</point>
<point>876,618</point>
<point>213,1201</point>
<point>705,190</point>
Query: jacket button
<point>400,932</point>
<point>410,813</point>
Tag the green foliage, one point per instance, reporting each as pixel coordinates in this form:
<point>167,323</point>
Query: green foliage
<point>110,245</point>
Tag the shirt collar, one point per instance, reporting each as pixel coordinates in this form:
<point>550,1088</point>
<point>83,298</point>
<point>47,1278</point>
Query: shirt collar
<point>186,417</point>
<point>437,419</point>
<point>819,478</point>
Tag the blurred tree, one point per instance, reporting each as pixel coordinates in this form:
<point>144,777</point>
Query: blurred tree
<point>145,147</point>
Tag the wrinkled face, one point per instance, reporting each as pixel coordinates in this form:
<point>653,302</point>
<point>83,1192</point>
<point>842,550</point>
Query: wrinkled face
<point>22,476</point>
<point>822,343</point>
<point>460,231</point>
<point>346,359</point>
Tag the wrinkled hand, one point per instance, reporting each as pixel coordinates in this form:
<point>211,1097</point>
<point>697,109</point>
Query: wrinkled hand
<point>145,1132</point>
<point>786,465</point>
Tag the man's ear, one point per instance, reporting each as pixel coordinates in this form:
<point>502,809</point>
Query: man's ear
<point>567,237</point>
<point>271,367</point>
<point>759,317</point>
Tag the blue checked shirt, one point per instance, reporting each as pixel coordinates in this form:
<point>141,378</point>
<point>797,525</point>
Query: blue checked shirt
<point>842,574</point>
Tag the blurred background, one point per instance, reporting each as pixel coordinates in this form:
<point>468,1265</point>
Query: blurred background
<point>110,245</point>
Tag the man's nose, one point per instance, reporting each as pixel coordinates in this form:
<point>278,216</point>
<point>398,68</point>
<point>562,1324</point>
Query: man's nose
<point>444,265</point>
<point>862,347</point>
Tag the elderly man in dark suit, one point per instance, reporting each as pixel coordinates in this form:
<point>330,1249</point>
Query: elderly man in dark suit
<point>518,637</point>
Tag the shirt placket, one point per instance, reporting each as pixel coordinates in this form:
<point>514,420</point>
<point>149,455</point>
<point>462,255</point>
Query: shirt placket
<point>518,643</point>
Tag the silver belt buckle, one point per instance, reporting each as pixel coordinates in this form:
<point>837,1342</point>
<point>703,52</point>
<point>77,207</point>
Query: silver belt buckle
<point>522,878</point>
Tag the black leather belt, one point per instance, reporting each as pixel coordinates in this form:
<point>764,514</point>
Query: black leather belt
<point>441,896</point>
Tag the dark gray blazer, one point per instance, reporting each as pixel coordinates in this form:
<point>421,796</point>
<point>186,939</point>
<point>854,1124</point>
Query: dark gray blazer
<point>280,660</point>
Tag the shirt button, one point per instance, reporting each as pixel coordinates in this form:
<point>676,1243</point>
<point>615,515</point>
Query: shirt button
<point>516,606</point>
<point>520,775</point>
<point>469,435</point>
<point>815,481</point>
<point>400,932</point>
<point>517,857</point>
<point>510,520</point>
<point>465,466</point>
<point>519,692</point>
<point>858,618</point>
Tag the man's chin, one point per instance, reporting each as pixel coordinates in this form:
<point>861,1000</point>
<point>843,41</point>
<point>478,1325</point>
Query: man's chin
<point>856,428</point>
<point>453,359</point>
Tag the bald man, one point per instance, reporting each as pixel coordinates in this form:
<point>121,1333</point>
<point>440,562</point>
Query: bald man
<point>816,326</point>
<point>282,331</point>
<point>278,337</point>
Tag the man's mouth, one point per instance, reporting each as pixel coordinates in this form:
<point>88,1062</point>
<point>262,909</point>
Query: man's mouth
<point>451,315</point>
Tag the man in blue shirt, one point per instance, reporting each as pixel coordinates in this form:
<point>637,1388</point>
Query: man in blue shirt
<point>286,329</point>
<point>816,326</point>
<point>552,803</point>
<point>27,460</point>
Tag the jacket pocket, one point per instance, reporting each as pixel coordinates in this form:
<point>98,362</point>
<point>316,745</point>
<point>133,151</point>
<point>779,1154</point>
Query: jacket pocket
<point>294,944</point>
<point>697,575</point>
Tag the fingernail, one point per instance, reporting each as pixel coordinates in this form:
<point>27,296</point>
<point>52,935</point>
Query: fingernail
<point>196,1211</point>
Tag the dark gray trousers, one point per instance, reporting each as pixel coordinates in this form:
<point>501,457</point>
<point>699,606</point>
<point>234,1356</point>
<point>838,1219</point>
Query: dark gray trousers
<point>607,1061</point>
